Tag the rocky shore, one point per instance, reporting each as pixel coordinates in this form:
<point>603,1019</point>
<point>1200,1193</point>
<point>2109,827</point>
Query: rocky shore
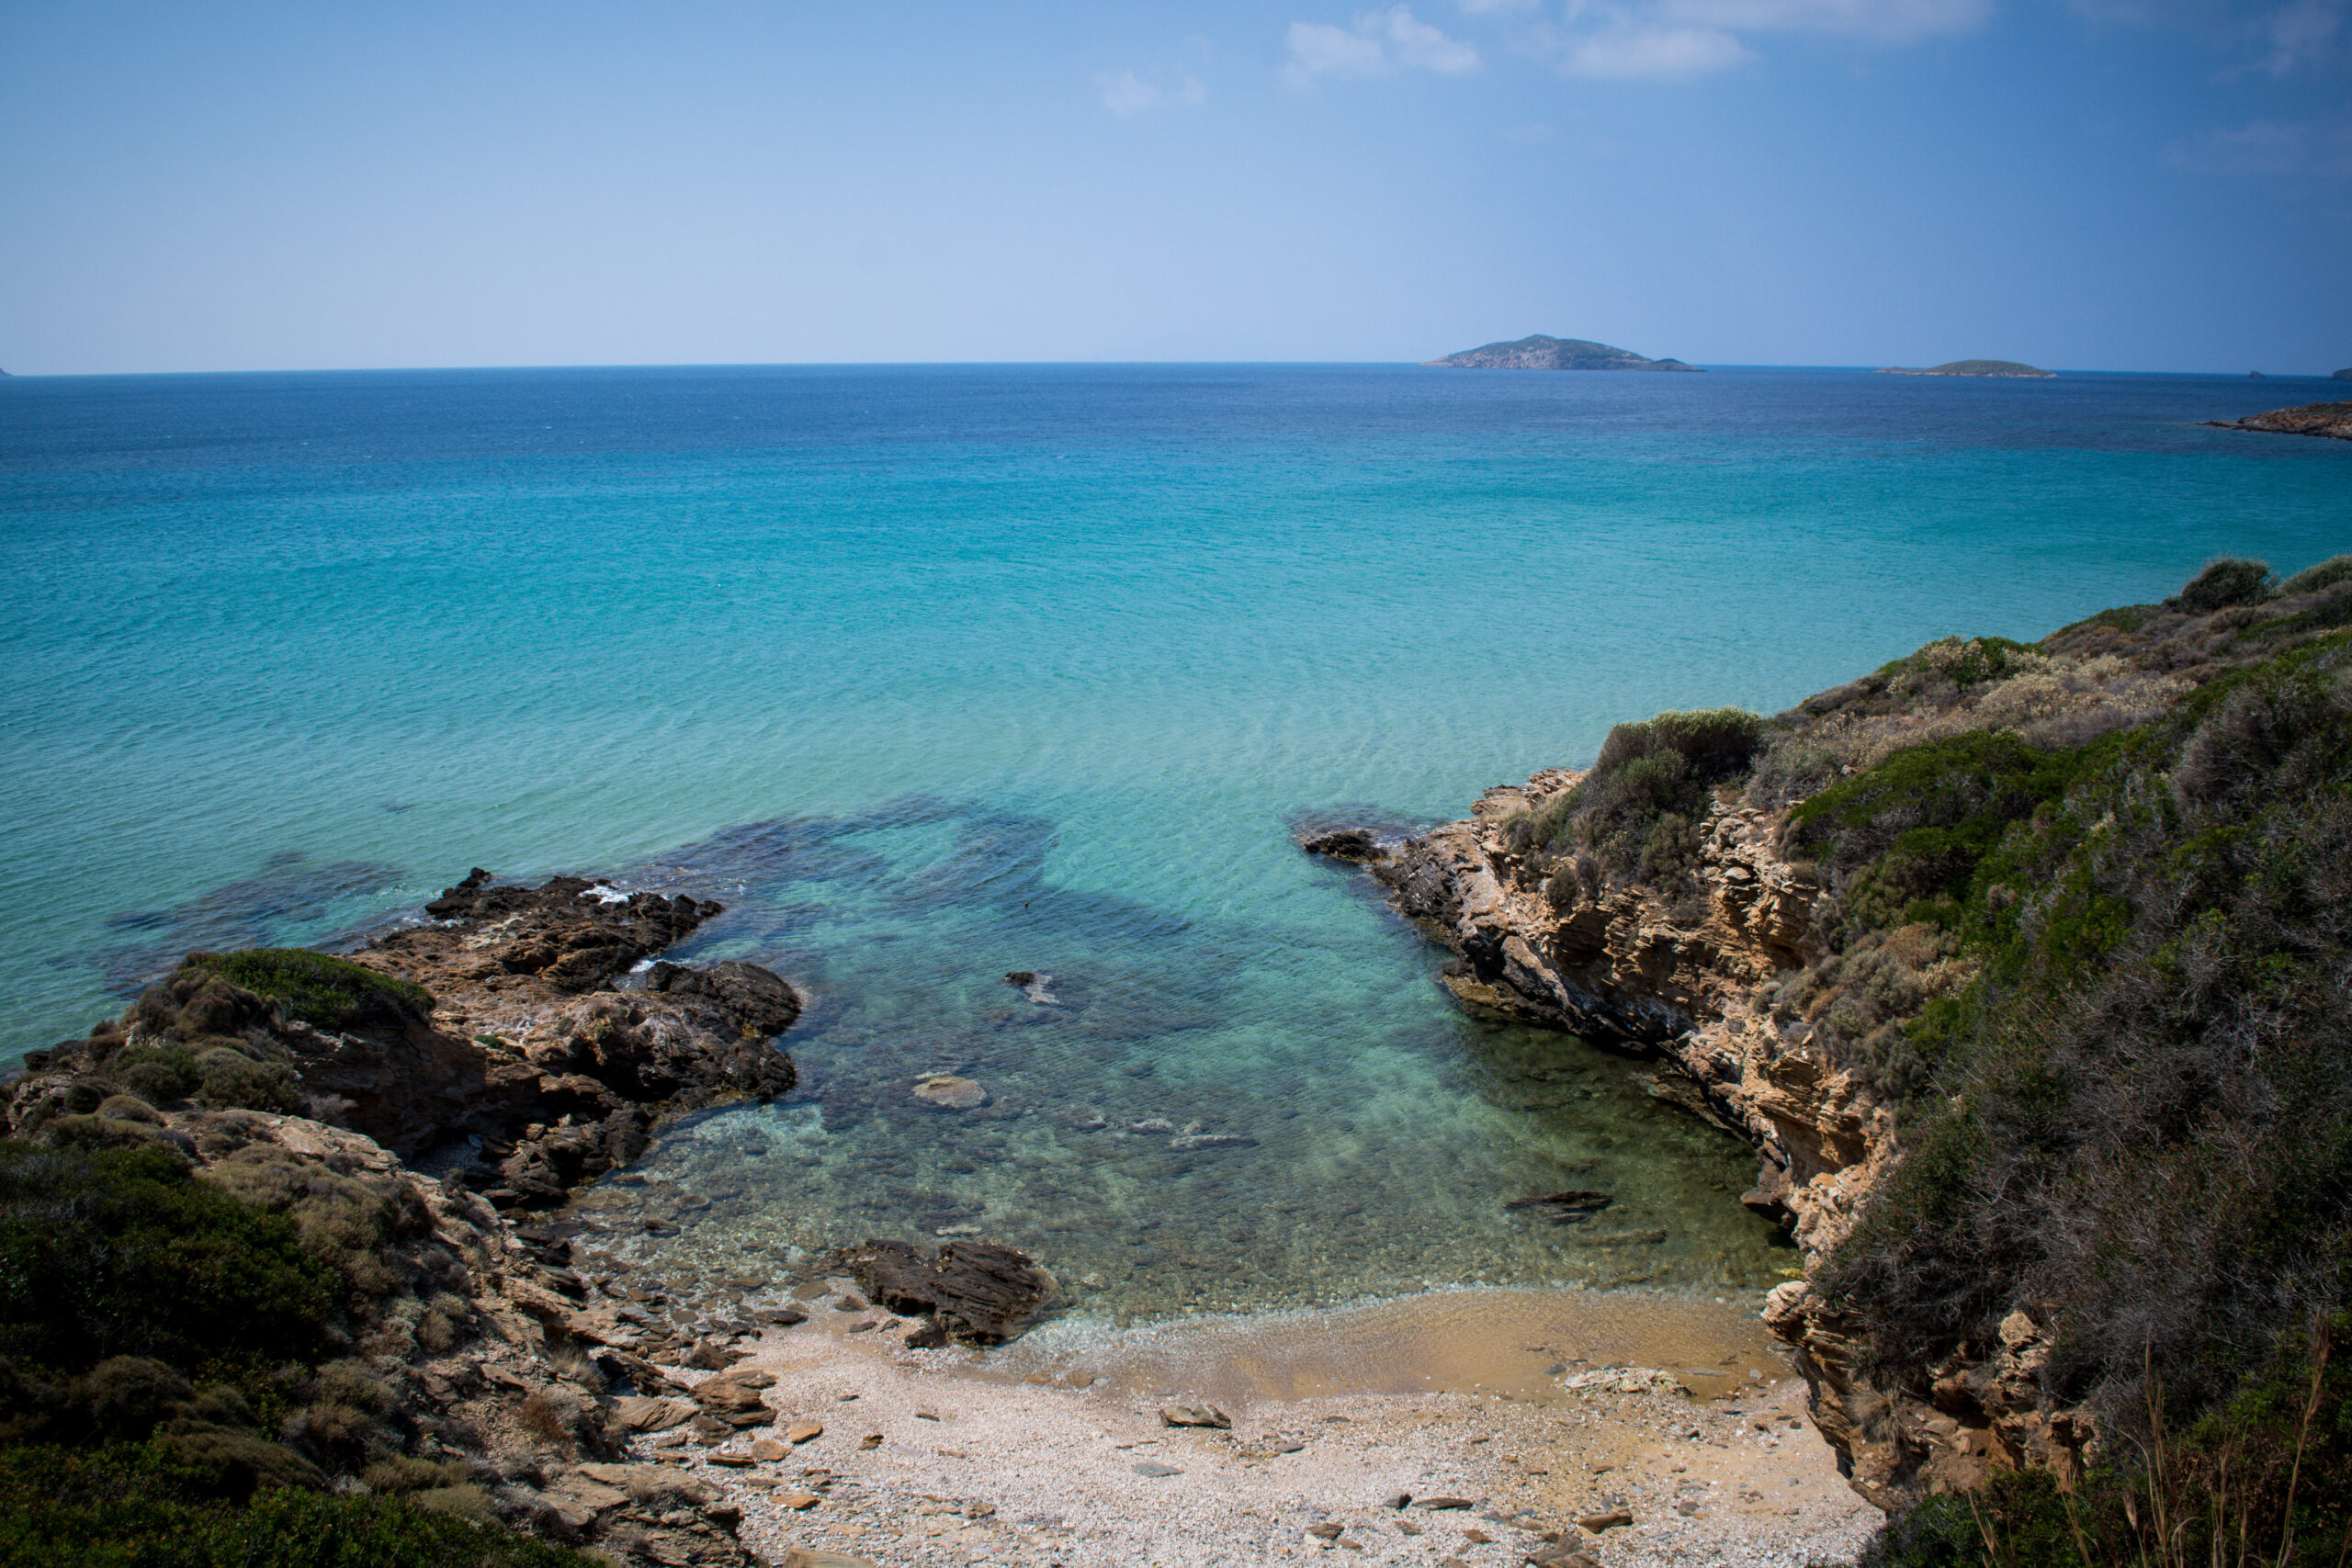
<point>1773,970</point>
<point>2309,418</point>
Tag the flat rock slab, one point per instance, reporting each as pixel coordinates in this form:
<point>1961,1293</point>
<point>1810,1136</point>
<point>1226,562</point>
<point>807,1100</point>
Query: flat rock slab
<point>1154,1469</point>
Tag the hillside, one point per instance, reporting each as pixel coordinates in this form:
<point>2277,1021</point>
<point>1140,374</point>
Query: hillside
<point>1541,353</point>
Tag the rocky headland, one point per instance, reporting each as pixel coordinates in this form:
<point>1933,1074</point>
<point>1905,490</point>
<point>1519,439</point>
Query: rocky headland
<point>2309,418</point>
<point>2010,368</point>
<point>1839,932</point>
<point>360,1303</point>
<point>1541,353</point>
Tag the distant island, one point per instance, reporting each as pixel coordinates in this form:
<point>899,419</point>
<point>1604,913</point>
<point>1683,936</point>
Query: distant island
<point>2311,419</point>
<point>1541,353</point>
<point>1972,367</point>
<point>2344,375</point>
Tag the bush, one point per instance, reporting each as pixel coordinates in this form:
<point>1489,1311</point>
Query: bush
<point>333,993</point>
<point>2229,580</point>
<point>2140,1123</point>
<point>1636,813</point>
<point>123,1253</point>
<point>142,1507</point>
<point>2312,579</point>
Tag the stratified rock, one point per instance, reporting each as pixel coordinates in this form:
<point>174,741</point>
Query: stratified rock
<point>734,1398</point>
<point>759,1002</point>
<point>974,1289</point>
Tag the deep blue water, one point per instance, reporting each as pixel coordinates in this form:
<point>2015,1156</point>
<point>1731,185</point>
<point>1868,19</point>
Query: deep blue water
<point>935,672</point>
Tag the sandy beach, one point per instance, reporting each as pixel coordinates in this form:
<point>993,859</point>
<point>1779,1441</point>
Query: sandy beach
<point>1437,1428</point>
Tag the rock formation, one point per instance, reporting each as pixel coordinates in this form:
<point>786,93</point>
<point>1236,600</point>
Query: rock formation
<point>2311,419</point>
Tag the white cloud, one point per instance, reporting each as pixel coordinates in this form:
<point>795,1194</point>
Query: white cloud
<point>1123,93</point>
<point>1381,43</point>
<point>2269,147</point>
<point>2302,34</point>
<point>1494,8</point>
<point>1630,50</point>
<point>1888,21</point>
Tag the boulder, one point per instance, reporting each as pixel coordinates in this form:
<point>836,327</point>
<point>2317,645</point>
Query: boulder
<point>974,1289</point>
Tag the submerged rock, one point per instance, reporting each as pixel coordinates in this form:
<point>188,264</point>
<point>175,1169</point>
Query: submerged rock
<point>950,1092</point>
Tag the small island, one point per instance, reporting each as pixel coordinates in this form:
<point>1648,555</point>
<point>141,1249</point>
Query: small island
<point>2311,419</point>
<point>1541,353</point>
<point>2343,374</point>
<point>1973,367</point>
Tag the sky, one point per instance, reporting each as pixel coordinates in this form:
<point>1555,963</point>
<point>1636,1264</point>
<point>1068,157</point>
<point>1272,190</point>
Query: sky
<point>2106,185</point>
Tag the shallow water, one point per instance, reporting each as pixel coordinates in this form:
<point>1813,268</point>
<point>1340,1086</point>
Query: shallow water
<point>934,674</point>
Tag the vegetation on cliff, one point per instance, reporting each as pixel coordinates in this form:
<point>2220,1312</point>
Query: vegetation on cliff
<point>176,1385</point>
<point>2087,934</point>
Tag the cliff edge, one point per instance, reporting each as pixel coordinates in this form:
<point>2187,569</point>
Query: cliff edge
<point>1912,939</point>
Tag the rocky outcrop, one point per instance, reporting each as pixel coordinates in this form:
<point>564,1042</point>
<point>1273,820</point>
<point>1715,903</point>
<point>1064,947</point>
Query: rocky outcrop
<point>462,1381</point>
<point>1676,982</point>
<point>2311,419</point>
<point>524,1074</point>
<point>1688,983</point>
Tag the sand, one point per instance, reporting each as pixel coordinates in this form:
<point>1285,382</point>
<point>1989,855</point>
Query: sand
<point>1053,1450</point>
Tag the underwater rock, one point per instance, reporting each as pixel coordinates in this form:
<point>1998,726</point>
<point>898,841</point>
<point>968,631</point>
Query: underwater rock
<point>974,1289</point>
<point>950,1092</point>
<point>1195,1416</point>
<point>1567,1208</point>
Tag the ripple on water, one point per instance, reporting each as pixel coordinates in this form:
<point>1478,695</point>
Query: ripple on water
<point>1189,1116</point>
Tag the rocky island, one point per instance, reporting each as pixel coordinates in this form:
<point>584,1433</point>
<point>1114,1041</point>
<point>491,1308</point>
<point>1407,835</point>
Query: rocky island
<point>2311,419</point>
<point>1541,353</point>
<point>1974,367</point>
<point>1993,955</point>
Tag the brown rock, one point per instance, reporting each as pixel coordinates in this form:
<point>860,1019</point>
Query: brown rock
<point>768,1450</point>
<point>803,1432</point>
<point>1611,1520</point>
<point>800,1502</point>
<point>975,1290</point>
<point>1193,1416</point>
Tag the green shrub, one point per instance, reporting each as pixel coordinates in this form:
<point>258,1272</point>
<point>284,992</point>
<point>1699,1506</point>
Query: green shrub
<point>1636,812</point>
<point>2227,580</point>
<point>158,1074</point>
<point>2312,579</point>
<point>122,1253</point>
<point>333,993</point>
<point>143,1507</point>
<point>2138,1119</point>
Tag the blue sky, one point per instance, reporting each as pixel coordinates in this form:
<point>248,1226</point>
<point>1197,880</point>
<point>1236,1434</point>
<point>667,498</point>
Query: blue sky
<point>2159,185</point>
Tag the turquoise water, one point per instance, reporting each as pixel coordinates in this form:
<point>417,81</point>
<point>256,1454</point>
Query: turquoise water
<point>935,673</point>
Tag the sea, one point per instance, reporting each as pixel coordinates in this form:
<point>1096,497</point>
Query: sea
<point>932,674</point>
